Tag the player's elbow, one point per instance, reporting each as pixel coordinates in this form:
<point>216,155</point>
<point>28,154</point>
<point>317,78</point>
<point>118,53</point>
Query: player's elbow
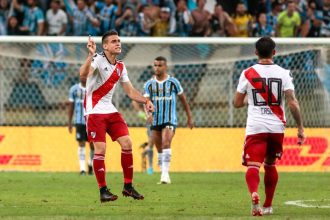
<point>82,72</point>
<point>237,104</point>
<point>293,105</point>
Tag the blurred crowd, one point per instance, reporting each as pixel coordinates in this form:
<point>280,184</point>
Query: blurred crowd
<point>161,18</point>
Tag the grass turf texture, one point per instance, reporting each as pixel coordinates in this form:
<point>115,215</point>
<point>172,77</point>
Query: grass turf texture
<point>25,195</point>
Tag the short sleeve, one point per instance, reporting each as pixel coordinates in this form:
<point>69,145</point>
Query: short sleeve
<point>124,76</point>
<point>288,81</point>
<point>242,83</point>
<point>40,16</point>
<point>71,94</point>
<point>280,18</point>
<point>64,18</point>
<point>94,64</point>
<point>178,86</point>
<point>147,89</point>
<point>297,19</point>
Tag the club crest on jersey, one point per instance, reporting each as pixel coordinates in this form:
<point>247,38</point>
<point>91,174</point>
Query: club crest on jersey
<point>106,69</point>
<point>93,134</point>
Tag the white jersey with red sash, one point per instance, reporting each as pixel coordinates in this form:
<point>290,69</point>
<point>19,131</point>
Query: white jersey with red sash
<point>101,84</point>
<point>265,86</point>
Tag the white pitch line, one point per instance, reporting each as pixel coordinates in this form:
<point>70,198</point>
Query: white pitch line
<point>301,203</point>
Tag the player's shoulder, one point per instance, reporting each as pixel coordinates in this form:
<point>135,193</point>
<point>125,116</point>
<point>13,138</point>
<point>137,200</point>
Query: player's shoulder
<point>149,81</point>
<point>173,79</point>
<point>74,87</point>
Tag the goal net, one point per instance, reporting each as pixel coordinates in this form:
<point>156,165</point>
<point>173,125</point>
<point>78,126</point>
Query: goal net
<point>37,72</point>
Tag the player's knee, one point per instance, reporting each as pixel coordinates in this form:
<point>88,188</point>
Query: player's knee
<point>166,143</point>
<point>126,144</point>
<point>270,161</point>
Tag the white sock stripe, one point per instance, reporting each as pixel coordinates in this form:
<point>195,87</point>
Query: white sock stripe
<point>253,167</point>
<point>98,157</point>
<point>126,152</point>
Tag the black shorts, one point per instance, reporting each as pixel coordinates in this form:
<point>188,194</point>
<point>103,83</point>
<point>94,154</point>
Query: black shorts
<point>81,134</point>
<point>162,126</point>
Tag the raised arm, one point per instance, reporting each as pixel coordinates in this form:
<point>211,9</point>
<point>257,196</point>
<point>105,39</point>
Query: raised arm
<point>186,106</point>
<point>136,95</point>
<point>86,69</point>
<point>17,5</point>
<point>295,111</point>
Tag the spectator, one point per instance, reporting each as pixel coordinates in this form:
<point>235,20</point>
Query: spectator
<point>13,27</point>
<point>127,24</point>
<point>243,21</point>
<point>272,16</point>
<point>221,23</point>
<point>4,12</point>
<point>56,19</point>
<point>288,21</point>
<point>108,16</point>
<point>183,19</point>
<point>145,22</point>
<point>164,26</point>
<point>262,29</point>
<point>324,16</point>
<point>81,18</point>
<point>34,21</point>
<point>201,17</point>
<point>312,26</point>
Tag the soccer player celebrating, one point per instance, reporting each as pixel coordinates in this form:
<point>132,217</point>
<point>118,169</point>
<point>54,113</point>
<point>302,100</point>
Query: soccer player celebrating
<point>263,87</point>
<point>103,72</point>
<point>162,90</point>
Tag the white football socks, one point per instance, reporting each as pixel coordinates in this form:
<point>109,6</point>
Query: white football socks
<point>81,156</point>
<point>167,153</point>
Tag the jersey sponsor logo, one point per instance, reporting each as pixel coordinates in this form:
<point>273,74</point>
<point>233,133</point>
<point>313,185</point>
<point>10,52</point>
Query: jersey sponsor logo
<point>157,98</point>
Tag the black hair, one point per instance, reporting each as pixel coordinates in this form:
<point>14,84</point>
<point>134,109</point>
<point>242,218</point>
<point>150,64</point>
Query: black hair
<point>265,47</point>
<point>107,34</point>
<point>160,58</point>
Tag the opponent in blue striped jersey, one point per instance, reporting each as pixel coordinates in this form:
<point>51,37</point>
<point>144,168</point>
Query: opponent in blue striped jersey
<point>162,90</point>
<point>76,106</point>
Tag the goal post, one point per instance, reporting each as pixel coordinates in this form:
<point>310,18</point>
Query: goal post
<point>37,72</point>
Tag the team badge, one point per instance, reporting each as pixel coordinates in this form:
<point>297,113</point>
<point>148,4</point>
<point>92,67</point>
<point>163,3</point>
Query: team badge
<point>106,69</point>
<point>93,134</point>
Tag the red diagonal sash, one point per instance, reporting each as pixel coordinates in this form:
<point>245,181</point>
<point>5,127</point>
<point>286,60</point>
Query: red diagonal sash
<point>108,84</point>
<point>276,109</point>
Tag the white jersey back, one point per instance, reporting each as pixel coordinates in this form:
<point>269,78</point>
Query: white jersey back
<point>101,85</point>
<point>265,86</point>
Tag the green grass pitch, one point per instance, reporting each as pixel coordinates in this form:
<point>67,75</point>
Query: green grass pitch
<point>25,195</point>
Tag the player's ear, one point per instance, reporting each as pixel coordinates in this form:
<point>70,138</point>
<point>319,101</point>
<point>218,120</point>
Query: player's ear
<point>274,52</point>
<point>105,46</point>
<point>256,52</point>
